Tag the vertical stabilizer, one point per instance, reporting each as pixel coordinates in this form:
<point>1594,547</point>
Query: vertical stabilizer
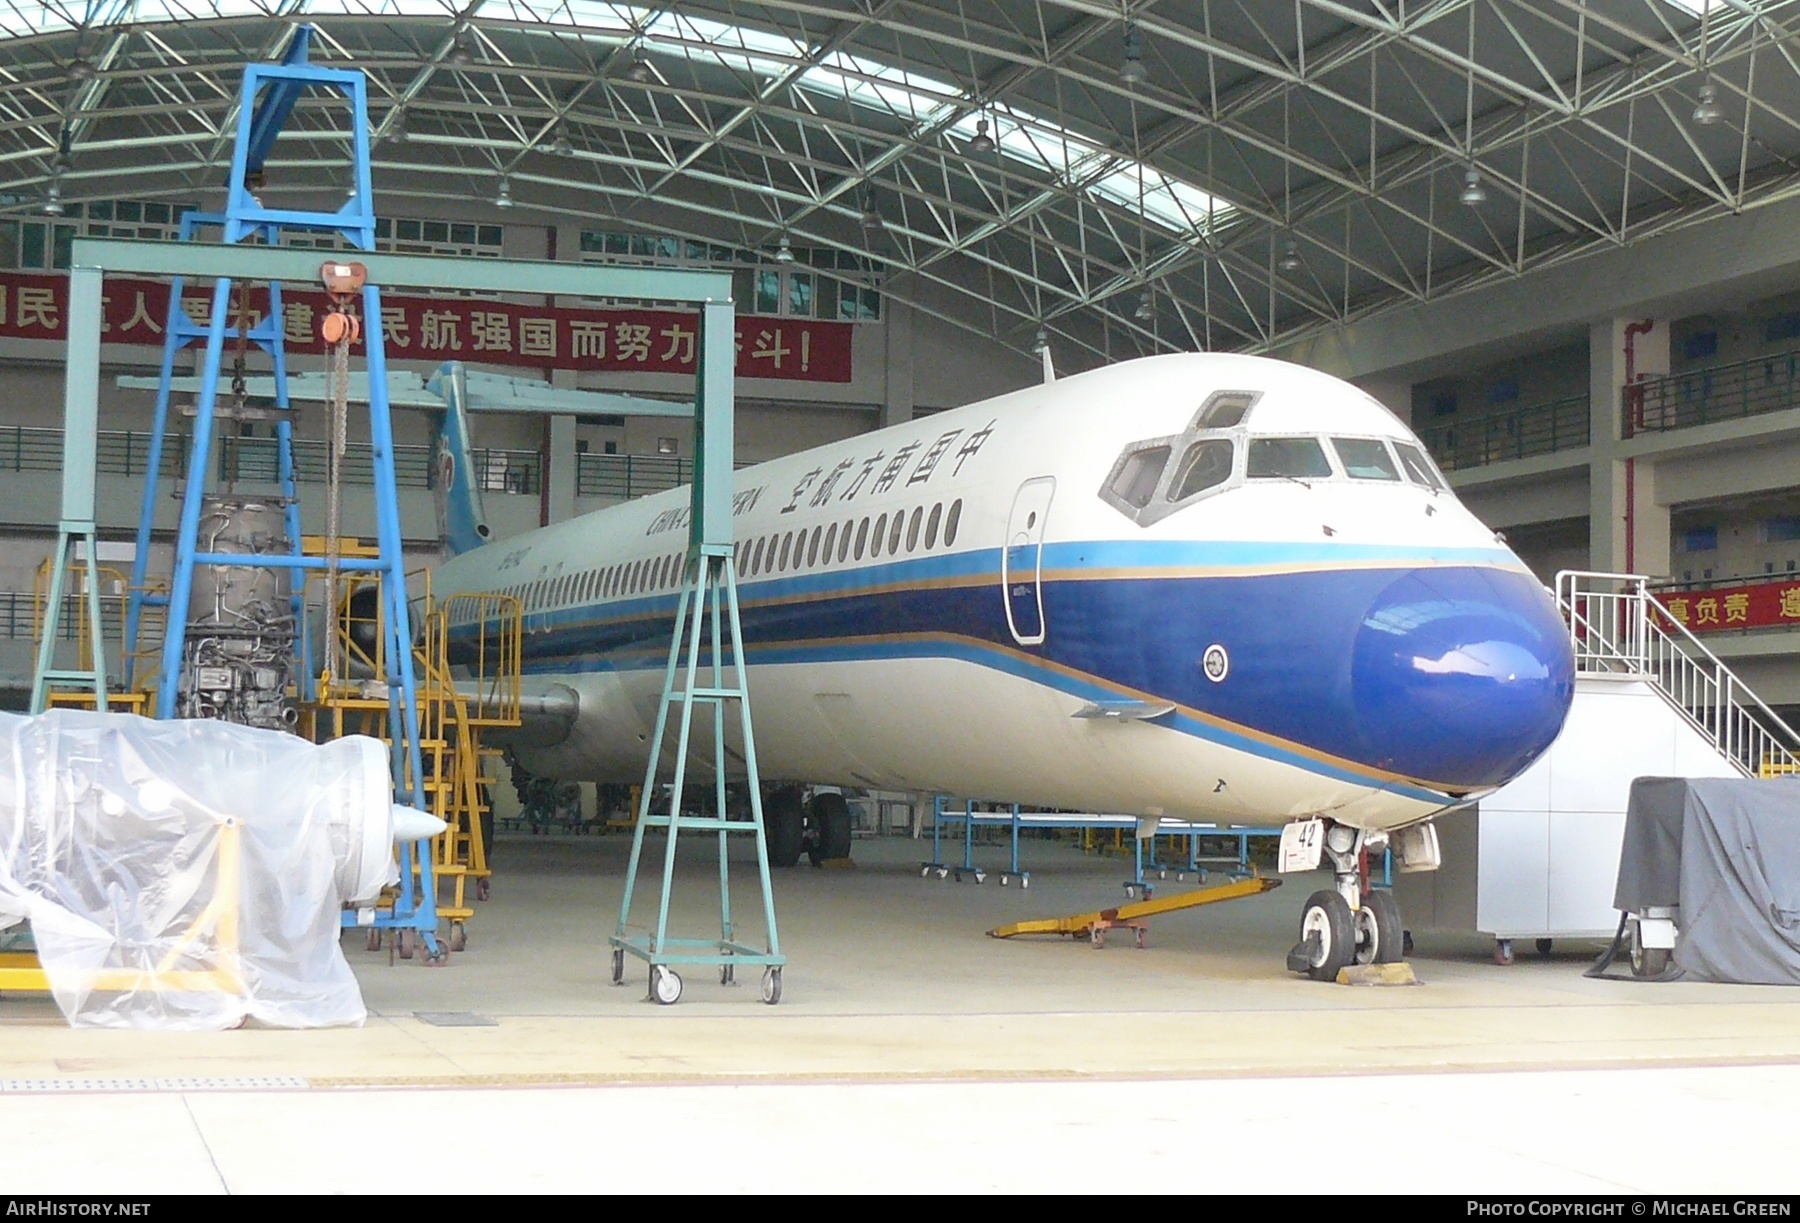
<point>462,518</point>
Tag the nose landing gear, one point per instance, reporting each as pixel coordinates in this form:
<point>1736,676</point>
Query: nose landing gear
<point>1351,923</point>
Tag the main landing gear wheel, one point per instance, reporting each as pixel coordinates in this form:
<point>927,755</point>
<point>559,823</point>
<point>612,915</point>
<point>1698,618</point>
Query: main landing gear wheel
<point>665,986</point>
<point>1380,937</point>
<point>1328,932</point>
<point>831,816</point>
<point>618,966</point>
<point>771,985</point>
<point>783,826</point>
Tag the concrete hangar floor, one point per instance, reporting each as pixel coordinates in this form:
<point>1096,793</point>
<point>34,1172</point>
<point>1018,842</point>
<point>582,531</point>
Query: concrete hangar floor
<point>911,1052</point>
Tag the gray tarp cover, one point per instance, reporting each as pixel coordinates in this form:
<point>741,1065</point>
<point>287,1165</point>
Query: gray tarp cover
<point>1728,851</point>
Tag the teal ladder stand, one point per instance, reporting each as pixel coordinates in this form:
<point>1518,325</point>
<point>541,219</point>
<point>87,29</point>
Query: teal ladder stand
<point>706,615</point>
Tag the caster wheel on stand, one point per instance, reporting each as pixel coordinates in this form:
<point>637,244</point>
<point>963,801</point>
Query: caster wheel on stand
<point>437,953</point>
<point>459,936</point>
<point>665,985</point>
<point>728,974</point>
<point>481,888</point>
<point>618,966</point>
<point>405,941</point>
<point>771,985</point>
<point>1503,951</point>
<point>374,938</point>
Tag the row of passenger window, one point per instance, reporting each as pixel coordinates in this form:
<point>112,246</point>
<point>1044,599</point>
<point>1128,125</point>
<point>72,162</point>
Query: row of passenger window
<point>850,540</point>
<point>775,553</point>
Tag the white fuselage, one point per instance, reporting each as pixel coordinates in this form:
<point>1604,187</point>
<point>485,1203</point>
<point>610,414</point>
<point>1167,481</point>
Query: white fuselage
<point>1083,636</point>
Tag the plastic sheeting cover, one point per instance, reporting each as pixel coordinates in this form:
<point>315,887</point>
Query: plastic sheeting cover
<point>119,837</point>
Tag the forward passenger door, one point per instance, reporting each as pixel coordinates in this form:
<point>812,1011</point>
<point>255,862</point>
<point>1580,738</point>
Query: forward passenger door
<point>1022,560</point>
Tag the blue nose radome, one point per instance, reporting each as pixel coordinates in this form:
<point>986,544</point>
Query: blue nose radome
<point>1462,676</point>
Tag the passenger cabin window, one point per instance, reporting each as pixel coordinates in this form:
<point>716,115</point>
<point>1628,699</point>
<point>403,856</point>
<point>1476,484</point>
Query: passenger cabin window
<point>1365,458</point>
<point>1138,475</point>
<point>951,522</point>
<point>1207,464</point>
<point>862,537</point>
<point>1299,458</point>
<point>1418,467</point>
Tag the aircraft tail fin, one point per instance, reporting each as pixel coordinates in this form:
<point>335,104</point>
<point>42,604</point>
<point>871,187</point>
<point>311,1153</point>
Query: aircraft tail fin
<point>462,518</point>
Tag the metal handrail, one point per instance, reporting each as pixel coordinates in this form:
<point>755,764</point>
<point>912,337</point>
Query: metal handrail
<point>1714,392</point>
<point>256,459</point>
<point>1544,428</point>
<point>630,475</point>
<point>1616,626</point>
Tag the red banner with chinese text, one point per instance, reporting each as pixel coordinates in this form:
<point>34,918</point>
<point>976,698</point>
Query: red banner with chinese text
<point>1761,605</point>
<point>35,307</point>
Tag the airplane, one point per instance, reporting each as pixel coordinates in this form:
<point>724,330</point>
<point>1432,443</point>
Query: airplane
<point>1202,586</point>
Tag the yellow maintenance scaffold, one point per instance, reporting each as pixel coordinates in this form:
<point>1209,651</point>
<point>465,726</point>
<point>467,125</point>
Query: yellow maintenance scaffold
<point>453,715</point>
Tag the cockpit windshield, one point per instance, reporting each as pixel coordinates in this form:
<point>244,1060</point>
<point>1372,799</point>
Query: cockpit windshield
<point>1365,458</point>
<point>1207,464</point>
<point>1418,467</point>
<point>1299,458</point>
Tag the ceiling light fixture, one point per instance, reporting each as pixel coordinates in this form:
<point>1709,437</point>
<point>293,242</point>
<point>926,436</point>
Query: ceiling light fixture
<point>1708,112</point>
<point>1473,192</point>
<point>561,146</point>
<point>1132,71</point>
<point>80,69</point>
<point>1290,257</point>
<point>871,214</point>
<point>1146,309</point>
<point>784,251</point>
<point>981,143</point>
<point>52,205</point>
<point>503,198</point>
<point>640,68</point>
<point>1042,342</point>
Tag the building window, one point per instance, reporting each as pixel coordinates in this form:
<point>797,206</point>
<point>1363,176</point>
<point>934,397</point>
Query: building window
<point>1700,539</point>
<point>844,286</point>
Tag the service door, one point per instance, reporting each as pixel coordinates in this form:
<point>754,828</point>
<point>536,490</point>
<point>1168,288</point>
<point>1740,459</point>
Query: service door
<point>1022,561</point>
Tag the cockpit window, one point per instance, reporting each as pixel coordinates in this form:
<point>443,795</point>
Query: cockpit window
<point>1138,474</point>
<point>1365,458</point>
<point>1205,465</point>
<point>1224,410</point>
<point>1418,467</point>
<point>1301,458</point>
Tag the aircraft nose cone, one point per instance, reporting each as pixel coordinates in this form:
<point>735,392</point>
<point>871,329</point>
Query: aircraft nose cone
<point>1461,677</point>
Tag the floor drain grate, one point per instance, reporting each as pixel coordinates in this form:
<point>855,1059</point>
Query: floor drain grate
<point>274,1082</point>
<point>456,1019</point>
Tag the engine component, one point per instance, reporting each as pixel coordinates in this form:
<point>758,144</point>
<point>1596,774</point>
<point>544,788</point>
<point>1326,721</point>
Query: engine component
<point>238,657</point>
<point>191,874</point>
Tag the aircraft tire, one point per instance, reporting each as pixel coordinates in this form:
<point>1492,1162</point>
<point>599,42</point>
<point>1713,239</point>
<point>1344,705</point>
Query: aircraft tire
<point>1390,939</point>
<point>783,826</point>
<point>1328,915</point>
<point>831,816</point>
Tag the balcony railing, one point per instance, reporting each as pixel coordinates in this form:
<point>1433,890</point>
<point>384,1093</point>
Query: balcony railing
<point>117,452</point>
<point>630,475</point>
<point>1718,392</point>
<point>1561,424</point>
<point>257,459</point>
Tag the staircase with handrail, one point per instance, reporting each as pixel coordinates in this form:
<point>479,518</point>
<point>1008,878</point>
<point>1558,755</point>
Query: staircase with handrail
<point>1619,628</point>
